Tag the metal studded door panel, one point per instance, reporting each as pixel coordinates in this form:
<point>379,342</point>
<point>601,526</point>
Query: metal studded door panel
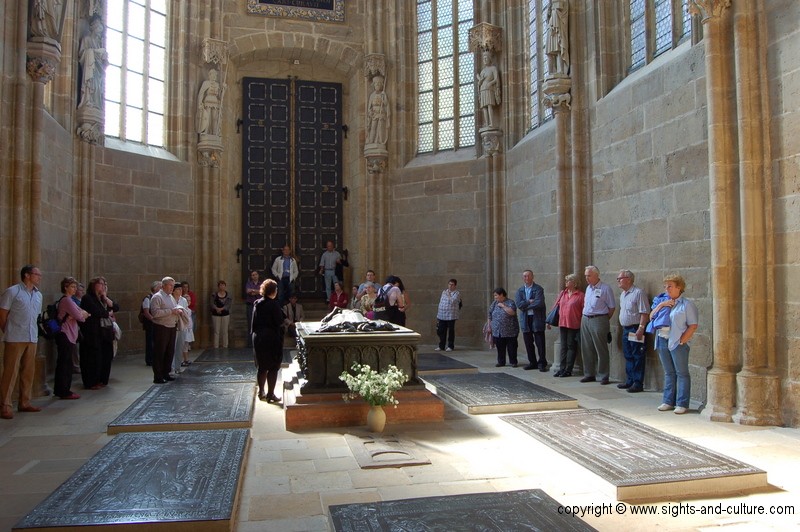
<point>292,171</point>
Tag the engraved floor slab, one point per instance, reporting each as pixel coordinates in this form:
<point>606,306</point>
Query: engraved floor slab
<point>643,463</point>
<point>188,406</point>
<point>439,363</point>
<point>169,481</point>
<point>375,453</point>
<point>227,372</point>
<point>502,512</point>
<point>226,355</point>
<point>496,393</point>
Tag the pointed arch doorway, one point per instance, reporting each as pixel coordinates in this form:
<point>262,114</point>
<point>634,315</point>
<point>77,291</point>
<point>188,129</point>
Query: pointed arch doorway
<point>291,174</point>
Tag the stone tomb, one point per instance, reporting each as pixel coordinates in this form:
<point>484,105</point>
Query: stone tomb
<point>642,463</point>
<point>496,393</point>
<point>222,372</point>
<point>226,356</point>
<point>167,481</point>
<point>189,406</point>
<point>439,363</point>
<point>501,512</point>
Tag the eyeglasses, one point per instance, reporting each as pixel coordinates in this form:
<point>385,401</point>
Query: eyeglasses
<point>621,278</point>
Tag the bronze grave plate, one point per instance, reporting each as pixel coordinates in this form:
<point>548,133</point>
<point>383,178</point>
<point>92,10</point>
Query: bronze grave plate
<point>226,356</point>
<point>439,363</point>
<point>151,481</point>
<point>493,393</point>
<point>189,406</point>
<point>479,512</point>
<point>227,372</point>
<point>643,463</point>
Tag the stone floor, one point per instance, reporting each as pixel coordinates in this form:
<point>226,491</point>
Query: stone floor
<point>291,478</point>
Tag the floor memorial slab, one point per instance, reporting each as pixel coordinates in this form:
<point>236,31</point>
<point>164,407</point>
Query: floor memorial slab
<point>227,372</point>
<point>502,512</point>
<point>642,463</point>
<point>189,406</point>
<point>226,355</point>
<point>377,452</point>
<point>496,393</point>
<point>439,363</point>
<point>166,481</point>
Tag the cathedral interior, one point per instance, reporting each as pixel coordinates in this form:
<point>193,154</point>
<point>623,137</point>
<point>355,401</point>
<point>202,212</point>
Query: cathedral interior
<point>431,139</point>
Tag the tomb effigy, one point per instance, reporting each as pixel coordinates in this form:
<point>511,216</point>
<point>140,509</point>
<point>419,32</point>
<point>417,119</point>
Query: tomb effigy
<point>493,393</point>
<point>176,481</point>
<point>189,406</point>
<point>500,511</point>
<point>639,461</point>
<point>327,348</point>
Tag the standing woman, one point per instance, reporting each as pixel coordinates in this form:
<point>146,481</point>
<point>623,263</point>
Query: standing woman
<point>97,345</point>
<point>268,339</point>
<point>570,310</point>
<point>69,314</point>
<point>405,304</point>
<point>389,300</point>
<point>220,314</point>
<point>505,327</point>
<point>672,344</point>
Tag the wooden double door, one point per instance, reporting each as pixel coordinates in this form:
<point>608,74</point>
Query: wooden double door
<point>291,174</point>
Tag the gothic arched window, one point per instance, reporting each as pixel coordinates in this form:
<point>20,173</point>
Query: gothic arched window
<point>536,60</point>
<point>657,26</point>
<point>445,75</point>
<point>136,39</point>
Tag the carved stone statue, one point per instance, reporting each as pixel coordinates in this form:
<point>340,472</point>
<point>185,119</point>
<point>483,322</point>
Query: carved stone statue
<point>46,18</point>
<point>557,44</point>
<point>94,60</point>
<point>489,86</point>
<point>377,113</point>
<point>209,103</point>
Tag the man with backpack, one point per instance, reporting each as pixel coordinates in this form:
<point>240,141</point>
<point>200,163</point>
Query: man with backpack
<point>20,306</point>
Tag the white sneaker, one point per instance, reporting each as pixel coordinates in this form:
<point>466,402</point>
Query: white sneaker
<point>449,349</point>
<point>438,349</point>
<point>664,407</point>
<point>681,409</point>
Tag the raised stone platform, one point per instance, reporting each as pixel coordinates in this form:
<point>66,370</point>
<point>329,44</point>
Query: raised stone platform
<point>501,512</point>
<point>226,356</point>
<point>496,393</point>
<point>179,406</point>
<point>166,481</point>
<point>319,410</point>
<point>642,463</point>
<point>228,372</point>
<point>439,363</point>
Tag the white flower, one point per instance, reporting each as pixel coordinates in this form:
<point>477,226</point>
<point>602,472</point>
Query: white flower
<point>375,388</point>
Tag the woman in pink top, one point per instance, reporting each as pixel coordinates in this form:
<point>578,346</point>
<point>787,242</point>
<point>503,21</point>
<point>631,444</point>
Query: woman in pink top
<point>69,314</point>
<point>570,303</point>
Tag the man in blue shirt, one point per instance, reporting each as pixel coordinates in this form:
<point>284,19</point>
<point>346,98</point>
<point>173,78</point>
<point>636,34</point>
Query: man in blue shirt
<point>598,307</point>
<point>20,306</point>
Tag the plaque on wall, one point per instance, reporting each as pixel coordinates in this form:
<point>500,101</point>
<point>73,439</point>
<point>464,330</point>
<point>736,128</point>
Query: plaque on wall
<point>319,10</point>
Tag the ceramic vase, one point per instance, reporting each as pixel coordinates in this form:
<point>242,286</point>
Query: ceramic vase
<point>376,419</point>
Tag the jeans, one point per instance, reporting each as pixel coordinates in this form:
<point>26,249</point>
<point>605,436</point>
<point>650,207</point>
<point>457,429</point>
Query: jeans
<point>446,329</point>
<point>676,372</point>
<point>634,353</point>
<point>285,290</point>
<point>330,278</point>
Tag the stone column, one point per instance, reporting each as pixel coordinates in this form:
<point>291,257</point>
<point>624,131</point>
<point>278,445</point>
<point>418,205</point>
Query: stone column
<point>377,116</point>
<point>759,389</point>
<point>722,178</point>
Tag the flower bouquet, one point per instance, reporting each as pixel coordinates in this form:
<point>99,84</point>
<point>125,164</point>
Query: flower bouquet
<point>375,388</point>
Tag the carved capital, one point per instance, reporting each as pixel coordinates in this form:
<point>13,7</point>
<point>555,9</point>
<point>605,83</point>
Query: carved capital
<point>41,69</point>
<point>374,65</point>
<point>708,9</point>
<point>91,132</point>
<point>556,93</point>
<point>209,158</point>
<point>215,51</point>
<point>491,140</point>
<point>376,164</point>
<point>485,37</point>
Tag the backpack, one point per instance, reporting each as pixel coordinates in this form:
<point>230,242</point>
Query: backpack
<point>48,322</point>
<point>381,300</point>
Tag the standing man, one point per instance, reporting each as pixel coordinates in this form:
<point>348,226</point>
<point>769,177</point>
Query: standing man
<point>165,313</point>
<point>20,305</point>
<point>327,267</point>
<point>446,316</point>
<point>598,307</point>
<point>251,294</point>
<point>362,288</point>
<point>285,270</point>
<point>532,311</point>
<point>634,313</point>
<point>147,323</point>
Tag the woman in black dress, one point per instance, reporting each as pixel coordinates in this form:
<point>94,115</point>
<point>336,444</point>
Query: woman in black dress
<point>268,339</point>
<point>97,344</point>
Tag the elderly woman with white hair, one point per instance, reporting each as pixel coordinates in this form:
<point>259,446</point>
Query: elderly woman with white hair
<point>570,309</point>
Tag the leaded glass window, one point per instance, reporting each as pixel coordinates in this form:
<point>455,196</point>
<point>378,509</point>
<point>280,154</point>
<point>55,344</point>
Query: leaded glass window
<point>136,40</point>
<point>445,75</point>
<point>656,26</point>
<point>537,10</point>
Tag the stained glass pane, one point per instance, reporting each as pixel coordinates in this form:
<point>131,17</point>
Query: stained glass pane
<point>156,64</point>
<point>136,20</point>
<point>424,47</point>
<point>463,36</point>
<point>466,100</point>
<point>445,103</point>
<point>158,29</point>
<point>446,135</point>
<point>113,84</point>
<point>426,77</point>
<point>446,72</point>
<point>424,17</point>
<point>465,10</point>
<point>155,129</point>
<point>135,54</point>
<point>445,47</point>
<point>112,119</point>
<point>425,138</point>
<point>133,89</point>
<point>114,47</point>
<point>444,12</point>
<point>159,5</point>
<point>686,17</point>
<point>534,45</point>
<point>663,26</point>
<point>115,6</point>
<point>638,38</point>
<point>133,124</point>
<point>155,96</point>
<point>426,107</point>
<point>466,68</point>
<point>466,131</point>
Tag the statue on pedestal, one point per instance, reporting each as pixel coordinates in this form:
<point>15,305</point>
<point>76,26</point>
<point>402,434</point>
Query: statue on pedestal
<point>93,59</point>
<point>46,19</point>
<point>489,86</point>
<point>209,103</point>
<point>378,113</point>
<point>557,44</point>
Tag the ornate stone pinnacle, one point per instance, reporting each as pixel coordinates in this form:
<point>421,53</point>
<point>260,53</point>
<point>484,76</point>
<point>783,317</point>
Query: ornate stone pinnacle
<point>485,37</point>
<point>215,51</point>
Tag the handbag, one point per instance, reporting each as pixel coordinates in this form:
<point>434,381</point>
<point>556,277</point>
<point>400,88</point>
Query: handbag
<point>552,317</point>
